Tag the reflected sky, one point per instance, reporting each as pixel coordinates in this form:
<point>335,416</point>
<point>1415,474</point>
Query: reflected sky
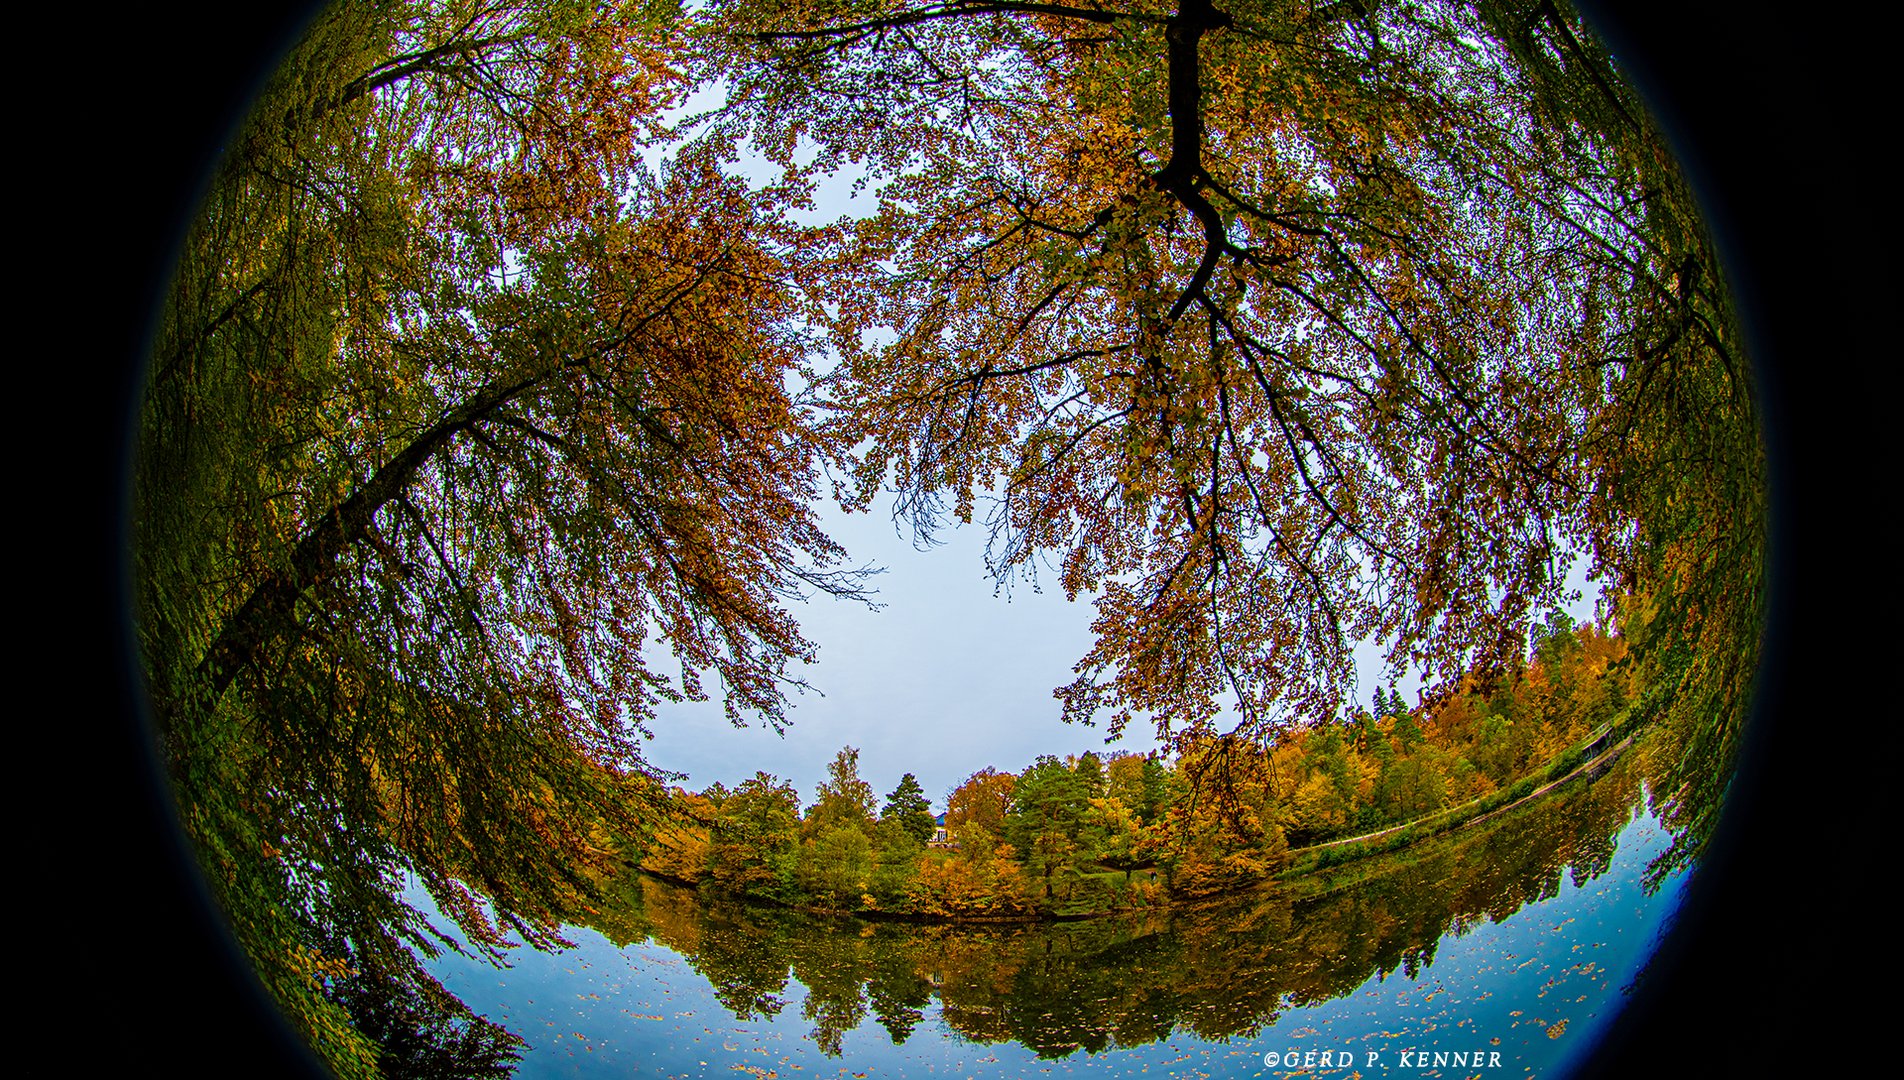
<point>1528,960</point>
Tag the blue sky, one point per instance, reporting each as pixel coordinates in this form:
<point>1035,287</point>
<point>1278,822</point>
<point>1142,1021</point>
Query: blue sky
<point>952,674</point>
<point>945,679</point>
<point>948,677</point>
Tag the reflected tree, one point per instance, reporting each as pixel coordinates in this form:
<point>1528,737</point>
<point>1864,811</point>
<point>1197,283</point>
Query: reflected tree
<point>488,414</point>
<point>1222,971</point>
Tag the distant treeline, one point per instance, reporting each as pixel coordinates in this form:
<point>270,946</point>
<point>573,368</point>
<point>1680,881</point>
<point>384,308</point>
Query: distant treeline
<point>1230,969</point>
<point>1091,833</point>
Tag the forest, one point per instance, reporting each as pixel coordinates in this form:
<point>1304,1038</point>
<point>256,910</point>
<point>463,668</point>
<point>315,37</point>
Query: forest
<point>1091,834</point>
<point>1223,969</point>
<point>509,357</point>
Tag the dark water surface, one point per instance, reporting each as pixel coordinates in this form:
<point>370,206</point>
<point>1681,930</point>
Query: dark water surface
<point>1515,937</point>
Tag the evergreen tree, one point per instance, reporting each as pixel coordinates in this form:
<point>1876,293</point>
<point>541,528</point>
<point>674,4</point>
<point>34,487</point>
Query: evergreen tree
<point>1157,792</point>
<point>907,806</point>
<point>1047,809</point>
<point>1405,727</point>
<point>1090,770</point>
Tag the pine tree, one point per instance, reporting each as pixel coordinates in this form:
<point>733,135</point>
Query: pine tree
<point>1090,770</point>
<point>908,806</point>
<point>1047,809</point>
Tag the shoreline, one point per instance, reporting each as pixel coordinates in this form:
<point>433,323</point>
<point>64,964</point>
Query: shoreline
<point>1590,769</point>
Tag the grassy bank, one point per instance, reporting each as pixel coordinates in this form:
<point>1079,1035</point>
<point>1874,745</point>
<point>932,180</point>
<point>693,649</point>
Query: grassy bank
<point>1582,758</point>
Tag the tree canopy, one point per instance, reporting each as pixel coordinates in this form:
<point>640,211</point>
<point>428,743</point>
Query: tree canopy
<point>1271,324</point>
<point>493,399</point>
<point>458,418</point>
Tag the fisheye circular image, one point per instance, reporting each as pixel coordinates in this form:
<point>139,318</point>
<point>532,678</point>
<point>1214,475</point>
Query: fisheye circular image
<point>949,537</point>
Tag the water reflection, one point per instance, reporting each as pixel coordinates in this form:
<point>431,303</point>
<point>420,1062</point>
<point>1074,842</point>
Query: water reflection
<point>1516,935</point>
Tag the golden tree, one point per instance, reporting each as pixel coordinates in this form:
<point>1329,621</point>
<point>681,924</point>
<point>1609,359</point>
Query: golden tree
<point>1278,326</point>
<point>459,418</point>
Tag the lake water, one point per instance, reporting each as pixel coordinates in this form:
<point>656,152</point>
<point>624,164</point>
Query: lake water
<point>1515,938</point>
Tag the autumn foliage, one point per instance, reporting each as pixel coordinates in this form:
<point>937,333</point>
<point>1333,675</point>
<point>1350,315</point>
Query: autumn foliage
<point>493,399</point>
<point>1085,835</point>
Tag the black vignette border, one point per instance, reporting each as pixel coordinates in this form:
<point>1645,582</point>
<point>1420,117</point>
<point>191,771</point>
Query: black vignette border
<point>1773,113</point>
<point>1771,108</point>
<point>130,967</point>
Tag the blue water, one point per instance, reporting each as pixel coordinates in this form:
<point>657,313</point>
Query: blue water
<point>1536,988</point>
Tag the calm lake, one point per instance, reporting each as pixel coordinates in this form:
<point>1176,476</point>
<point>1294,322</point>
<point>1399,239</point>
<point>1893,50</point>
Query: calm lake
<point>1515,937</point>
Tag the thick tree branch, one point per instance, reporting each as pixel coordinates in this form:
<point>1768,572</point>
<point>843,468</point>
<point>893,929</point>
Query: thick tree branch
<point>314,559</point>
<point>957,9</point>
